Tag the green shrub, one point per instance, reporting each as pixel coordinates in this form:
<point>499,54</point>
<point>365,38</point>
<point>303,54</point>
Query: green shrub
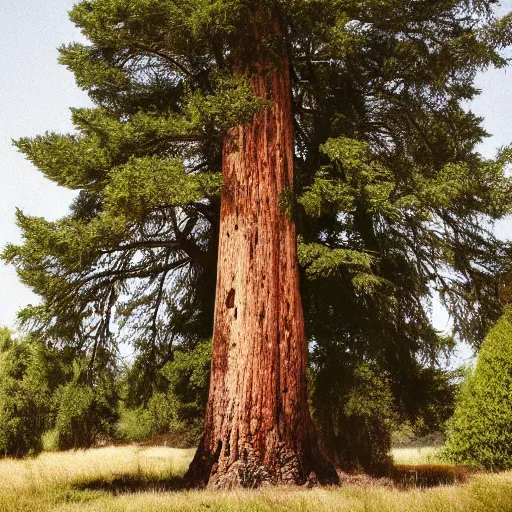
<point>28,374</point>
<point>22,418</point>
<point>134,425</point>
<point>189,377</point>
<point>480,431</point>
<point>49,441</point>
<point>87,413</point>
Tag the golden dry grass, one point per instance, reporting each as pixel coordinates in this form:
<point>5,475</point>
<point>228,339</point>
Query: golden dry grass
<point>414,456</point>
<point>135,479</point>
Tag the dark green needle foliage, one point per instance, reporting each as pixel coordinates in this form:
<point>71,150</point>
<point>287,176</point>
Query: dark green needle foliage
<point>392,199</point>
<point>356,415</point>
<point>480,432</point>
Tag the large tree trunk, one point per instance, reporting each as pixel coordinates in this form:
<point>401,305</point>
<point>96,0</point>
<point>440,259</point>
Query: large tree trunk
<point>258,428</point>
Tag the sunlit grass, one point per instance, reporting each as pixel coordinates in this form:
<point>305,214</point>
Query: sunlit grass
<point>415,456</point>
<point>485,493</point>
<point>56,469</point>
<point>136,479</point>
<point>37,484</point>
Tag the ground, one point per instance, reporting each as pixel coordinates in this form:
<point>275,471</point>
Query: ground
<point>143,479</point>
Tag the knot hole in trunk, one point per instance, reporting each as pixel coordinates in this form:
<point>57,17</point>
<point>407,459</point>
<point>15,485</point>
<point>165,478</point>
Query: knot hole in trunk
<point>230,300</point>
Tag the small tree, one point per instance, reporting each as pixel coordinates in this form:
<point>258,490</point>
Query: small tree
<point>480,431</point>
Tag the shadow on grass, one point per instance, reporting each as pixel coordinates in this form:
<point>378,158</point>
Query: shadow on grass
<point>402,476</point>
<point>129,484</point>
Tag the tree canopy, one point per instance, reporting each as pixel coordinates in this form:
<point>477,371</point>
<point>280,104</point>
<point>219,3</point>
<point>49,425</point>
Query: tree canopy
<point>392,200</point>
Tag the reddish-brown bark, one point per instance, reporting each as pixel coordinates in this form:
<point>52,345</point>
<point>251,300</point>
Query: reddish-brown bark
<point>258,428</point>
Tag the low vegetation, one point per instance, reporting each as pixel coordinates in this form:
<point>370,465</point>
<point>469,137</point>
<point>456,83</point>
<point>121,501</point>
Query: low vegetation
<point>132,478</point>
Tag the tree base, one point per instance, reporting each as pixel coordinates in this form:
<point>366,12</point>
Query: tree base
<point>285,467</point>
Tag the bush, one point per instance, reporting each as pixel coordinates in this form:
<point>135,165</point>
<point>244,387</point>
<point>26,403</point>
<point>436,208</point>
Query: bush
<point>22,418</point>
<point>134,425</point>
<point>189,378</point>
<point>480,431</point>
<point>49,441</point>
<point>87,413</point>
<point>28,374</point>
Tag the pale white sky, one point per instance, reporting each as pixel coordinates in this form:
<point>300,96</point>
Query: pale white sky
<point>35,96</point>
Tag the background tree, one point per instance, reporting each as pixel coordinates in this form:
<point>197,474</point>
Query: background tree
<point>49,392</point>
<point>393,200</point>
<point>356,414</point>
<point>479,432</point>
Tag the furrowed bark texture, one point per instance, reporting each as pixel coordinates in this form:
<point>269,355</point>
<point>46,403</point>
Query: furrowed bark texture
<point>258,428</point>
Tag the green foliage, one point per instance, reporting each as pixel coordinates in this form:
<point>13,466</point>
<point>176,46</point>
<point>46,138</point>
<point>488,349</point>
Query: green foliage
<point>6,340</point>
<point>479,433</point>
<point>49,441</point>
<point>42,405</point>
<point>189,377</point>
<point>355,413</point>
<point>358,177</point>
<point>434,395</point>
<point>321,261</point>
<point>134,424</point>
<point>148,183</point>
<point>385,163</point>
<point>29,373</point>
<point>176,406</point>
<point>86,413</point>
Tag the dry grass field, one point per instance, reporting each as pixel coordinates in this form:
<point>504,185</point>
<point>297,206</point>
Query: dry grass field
<point>137,479</point>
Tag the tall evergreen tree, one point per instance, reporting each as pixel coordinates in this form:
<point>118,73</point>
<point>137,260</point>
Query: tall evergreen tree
<point>211,118</point>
